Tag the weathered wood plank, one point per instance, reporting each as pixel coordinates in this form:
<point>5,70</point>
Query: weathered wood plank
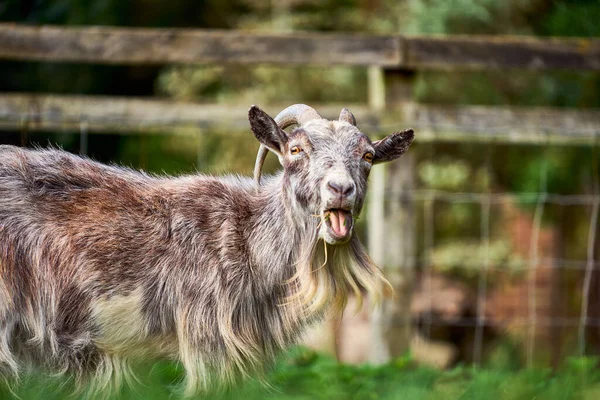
<point>396,254</point>
<point>441,123</point>
<point>47,112</point>
<point>501,123</point>
<point>164,46</point>
<point>498,52</point>
<point>108,45</point>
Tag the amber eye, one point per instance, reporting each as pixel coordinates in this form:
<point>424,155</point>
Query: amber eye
<point>295,150</point>
<point>368,157</point>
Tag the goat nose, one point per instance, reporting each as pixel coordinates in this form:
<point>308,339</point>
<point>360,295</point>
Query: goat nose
<point>341,189</point>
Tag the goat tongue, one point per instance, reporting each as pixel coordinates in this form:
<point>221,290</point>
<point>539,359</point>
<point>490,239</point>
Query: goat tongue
<point>340,222</point>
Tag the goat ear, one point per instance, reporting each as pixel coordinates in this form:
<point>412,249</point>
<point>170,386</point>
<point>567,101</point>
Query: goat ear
<point>392,146</point>
<point>266,130</point>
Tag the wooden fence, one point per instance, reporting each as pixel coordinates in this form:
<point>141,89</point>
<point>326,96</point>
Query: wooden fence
<point>392,61</point>
<point>103,45</point>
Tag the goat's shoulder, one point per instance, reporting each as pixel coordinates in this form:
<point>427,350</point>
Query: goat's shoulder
<point>211,203</point>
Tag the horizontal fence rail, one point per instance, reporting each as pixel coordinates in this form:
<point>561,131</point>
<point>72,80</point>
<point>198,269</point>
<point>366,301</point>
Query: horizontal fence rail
<point>98,114</point>
<point>134,115</point>
<point>108,45</point>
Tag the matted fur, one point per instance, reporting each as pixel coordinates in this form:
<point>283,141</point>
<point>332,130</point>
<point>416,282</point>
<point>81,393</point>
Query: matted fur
<point>101,266</point>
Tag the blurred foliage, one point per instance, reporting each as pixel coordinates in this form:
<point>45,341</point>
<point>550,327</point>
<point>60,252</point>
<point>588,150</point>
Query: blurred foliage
<point>264,84</point>
<point>308,375</point>
<point>526,171</point>
<point>465,259</point>
<point>561,169</point>
<point>449,174</point>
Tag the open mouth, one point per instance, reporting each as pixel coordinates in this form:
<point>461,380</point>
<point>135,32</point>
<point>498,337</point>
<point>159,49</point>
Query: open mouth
<point>339,222</point>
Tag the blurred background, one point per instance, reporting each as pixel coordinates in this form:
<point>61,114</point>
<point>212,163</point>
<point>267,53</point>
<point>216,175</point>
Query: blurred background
<point>487,229</point>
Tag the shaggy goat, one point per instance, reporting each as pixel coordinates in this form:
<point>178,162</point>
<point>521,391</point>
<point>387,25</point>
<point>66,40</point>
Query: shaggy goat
<point>101,265</point>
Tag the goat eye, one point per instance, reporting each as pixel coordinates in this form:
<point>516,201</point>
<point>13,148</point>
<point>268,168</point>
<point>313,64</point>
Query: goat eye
<point>295,150</point>
<point>368,157</point>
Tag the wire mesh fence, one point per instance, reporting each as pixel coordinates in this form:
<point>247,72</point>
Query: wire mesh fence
<point>536,312</point>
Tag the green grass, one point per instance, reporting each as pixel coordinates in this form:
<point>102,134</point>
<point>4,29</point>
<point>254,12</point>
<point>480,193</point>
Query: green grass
<point>306,375</point>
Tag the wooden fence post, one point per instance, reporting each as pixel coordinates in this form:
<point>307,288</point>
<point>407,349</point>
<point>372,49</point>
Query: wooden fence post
<point>392,235</point>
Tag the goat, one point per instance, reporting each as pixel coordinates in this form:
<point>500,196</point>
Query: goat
<point>103,265</point>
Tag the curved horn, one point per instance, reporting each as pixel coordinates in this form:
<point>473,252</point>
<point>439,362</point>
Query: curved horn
<point>298,114</point>
<point>347,116</point>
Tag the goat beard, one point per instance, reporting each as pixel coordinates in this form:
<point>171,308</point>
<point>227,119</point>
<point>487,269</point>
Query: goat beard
<point>327,275</point>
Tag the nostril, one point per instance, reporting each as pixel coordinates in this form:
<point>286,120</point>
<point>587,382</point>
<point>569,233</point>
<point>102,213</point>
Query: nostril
<point>335,188</point>
<point>349,190</point>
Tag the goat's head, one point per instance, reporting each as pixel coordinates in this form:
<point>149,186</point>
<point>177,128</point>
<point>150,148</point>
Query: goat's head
<point>326,163</point>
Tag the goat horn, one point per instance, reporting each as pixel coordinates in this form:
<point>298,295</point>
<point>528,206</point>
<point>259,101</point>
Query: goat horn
<point>298,114</point>
<point>347,116</point>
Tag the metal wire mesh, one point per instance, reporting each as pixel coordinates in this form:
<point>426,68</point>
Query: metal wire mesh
<point>540,200</point>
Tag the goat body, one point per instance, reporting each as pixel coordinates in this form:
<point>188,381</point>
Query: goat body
<point>102,265</point>
<point>99,264</point>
